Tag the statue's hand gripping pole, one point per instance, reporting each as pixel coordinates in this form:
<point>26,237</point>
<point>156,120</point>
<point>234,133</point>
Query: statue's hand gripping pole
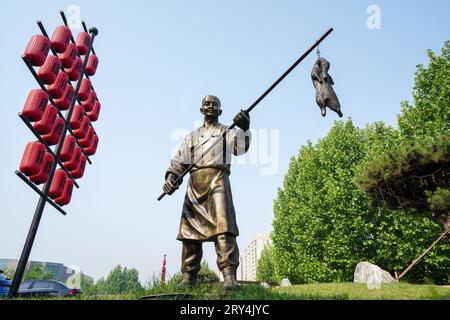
<point>285,74</point>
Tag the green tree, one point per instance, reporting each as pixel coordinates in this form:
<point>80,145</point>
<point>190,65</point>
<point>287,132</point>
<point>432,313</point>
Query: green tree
<point>318,226</point>
<point>120,281</point>
<point>428,118</point>
<point>409,176</point>
<point>324,224</point>
<point>416,173</point>
<point>100,286</point>
<point>439,203</point>
<point>429,115</point>
<point>414,176</point>
<point>9,273</point>
<point>87,286</point>
<point>266,266</point>
<point>37,272</point>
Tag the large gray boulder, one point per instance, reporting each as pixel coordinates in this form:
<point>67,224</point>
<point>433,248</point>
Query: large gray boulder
<point>372,275</point>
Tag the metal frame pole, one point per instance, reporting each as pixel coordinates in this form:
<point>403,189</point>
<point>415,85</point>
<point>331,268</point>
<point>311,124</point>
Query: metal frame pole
<point>43,200</point>
<point>422,255</point>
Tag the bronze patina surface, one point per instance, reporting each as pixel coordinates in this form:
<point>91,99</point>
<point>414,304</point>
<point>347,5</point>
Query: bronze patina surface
<point>208,212</point>
<point>323,83</point>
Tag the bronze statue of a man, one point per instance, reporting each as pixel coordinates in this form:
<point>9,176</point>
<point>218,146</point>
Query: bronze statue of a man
<point>208,213</point>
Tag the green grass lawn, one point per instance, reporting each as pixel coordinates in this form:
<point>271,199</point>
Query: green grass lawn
<point>323,291</point>
<point>353,291</point>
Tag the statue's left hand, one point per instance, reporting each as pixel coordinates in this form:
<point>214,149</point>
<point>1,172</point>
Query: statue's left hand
<point>242,120</point>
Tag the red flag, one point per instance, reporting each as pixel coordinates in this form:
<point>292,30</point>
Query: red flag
<point>163,271</point>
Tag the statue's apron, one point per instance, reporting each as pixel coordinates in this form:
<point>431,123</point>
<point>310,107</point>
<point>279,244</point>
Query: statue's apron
<point>208,206</point>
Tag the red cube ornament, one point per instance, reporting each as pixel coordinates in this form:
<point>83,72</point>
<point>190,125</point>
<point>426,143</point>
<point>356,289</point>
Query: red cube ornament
<point>53,137</point>
<point>85,89</point>
<point>35,105</point>
<point>93,147</point>
<point>72,164</point>
<point>94,113</point>
<point>68,57</point>
<point>75,71</point>
<point>45,125</point>
<point>79,171</point>
<point>66,100</point>
<point>83,42</point>
<point>37,50</point>
<point>42,176</point>
<point>87,140</point>
<point>66,195</point>
<point>49,70</point>
<point>91,67</point>
<point>89,103</point>
<point>81,132</point>
<point>32,159</point>
<point>61,38</point>
<point>57,89</point>
<point>58,183</point>
<point>77,117</point>
<point>68,148</point>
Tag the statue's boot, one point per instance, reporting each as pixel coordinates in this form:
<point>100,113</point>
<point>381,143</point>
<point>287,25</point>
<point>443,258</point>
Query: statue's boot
<point>229,280</point>
<point>188,281</point>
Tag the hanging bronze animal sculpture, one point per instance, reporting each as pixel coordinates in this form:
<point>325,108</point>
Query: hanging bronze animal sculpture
<point>325,95</point>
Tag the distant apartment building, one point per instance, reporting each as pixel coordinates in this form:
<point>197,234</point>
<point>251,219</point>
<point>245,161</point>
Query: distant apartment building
<point>251,255</point>
<point>60,271</point>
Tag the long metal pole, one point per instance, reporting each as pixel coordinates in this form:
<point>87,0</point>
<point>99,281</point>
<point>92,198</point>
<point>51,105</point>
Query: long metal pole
<point>276,83</point>
<point>422,255</point>
<point>42,200</point>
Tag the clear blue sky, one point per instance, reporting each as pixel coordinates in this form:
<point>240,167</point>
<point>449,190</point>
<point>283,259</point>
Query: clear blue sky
<point>157,60</point>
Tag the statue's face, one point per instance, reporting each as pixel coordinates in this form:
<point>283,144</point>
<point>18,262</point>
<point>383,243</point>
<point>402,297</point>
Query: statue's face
<point>211,107</point>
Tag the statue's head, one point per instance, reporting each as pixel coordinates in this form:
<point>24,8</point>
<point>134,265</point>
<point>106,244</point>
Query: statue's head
<point>211,107</point>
